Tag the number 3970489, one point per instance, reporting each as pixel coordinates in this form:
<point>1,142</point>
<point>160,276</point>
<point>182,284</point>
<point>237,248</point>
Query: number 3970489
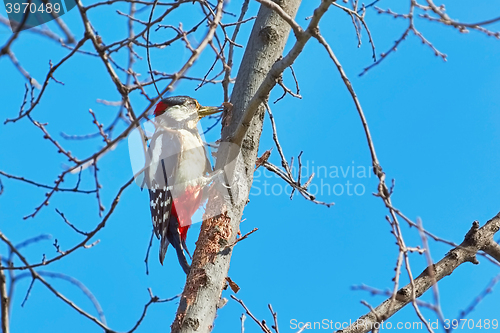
<point>26,7</point>
<point>470,324</point>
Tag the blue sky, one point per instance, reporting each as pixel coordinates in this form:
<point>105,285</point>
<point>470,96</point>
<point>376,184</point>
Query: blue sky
<point>436,129</point>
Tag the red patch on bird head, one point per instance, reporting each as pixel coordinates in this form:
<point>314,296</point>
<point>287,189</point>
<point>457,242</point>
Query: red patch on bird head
<point>160,108</point>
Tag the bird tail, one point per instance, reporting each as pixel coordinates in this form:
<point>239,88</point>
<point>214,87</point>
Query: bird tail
<point>173,237</point>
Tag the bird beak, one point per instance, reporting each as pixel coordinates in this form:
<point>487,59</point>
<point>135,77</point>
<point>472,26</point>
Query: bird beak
<point>204,111</point>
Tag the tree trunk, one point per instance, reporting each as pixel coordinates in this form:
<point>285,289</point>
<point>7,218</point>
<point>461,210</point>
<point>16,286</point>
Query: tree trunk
<point>207,278</point>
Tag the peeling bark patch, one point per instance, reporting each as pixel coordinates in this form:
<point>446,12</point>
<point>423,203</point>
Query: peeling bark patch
<point>178,321</point>
<point>198,278</point>
<point>221,232</point>
<point>214,231</point>
<point>234,287</point>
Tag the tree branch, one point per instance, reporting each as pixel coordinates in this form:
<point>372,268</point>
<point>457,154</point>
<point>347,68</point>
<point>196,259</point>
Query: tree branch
<point>474,241</point>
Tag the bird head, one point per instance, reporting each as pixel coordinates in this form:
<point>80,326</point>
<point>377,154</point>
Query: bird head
<point>183,111</point>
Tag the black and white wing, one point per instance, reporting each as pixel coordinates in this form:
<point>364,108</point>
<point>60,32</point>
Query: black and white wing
<point>163,153</point>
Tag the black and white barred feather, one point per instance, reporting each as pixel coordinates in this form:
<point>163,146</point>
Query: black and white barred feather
<point>161,169</point>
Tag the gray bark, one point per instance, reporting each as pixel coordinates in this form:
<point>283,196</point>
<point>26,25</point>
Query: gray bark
<point>207,278</point>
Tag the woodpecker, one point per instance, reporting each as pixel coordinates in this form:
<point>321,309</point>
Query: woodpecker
<point>178,171</point>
